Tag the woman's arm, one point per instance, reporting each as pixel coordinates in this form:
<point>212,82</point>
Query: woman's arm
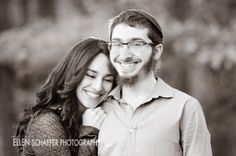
<point>46,134</point>
<point>88,141</point>
<point>91,123</point>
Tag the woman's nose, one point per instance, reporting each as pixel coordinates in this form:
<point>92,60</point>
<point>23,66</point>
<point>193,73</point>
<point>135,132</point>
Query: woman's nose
<point>98,84</point>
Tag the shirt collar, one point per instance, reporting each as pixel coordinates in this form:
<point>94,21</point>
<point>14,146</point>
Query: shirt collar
<point>115,93</point>
<point>161,89</point>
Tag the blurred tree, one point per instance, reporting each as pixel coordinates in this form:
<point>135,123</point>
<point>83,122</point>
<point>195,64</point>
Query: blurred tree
<point>6,108</point>
<point>180,9</point>
<point>199,55</point>
<point>223,11</point>
<point>4,16</point>
<point>47,8</point>
<point>232,9</point>
<point>214,11</point>
<point>81,8</point>
<point>24,4</point>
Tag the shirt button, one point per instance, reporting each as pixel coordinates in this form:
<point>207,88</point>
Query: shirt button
<point>131,130</point>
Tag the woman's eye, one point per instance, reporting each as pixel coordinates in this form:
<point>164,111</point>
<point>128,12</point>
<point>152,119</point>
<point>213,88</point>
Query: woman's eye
<point>91,76</point>
<point>109,80</point>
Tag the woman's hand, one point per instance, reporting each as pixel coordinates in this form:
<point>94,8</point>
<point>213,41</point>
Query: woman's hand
<point>93,117</point>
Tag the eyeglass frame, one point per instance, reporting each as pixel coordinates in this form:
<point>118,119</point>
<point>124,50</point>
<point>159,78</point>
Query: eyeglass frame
<point>129,44</point>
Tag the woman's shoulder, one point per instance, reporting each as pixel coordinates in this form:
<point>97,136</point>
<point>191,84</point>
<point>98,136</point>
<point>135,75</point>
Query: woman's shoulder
<point>41,119</point>
<point>44,132</point>
<point>45,125</point>
<point>46,118</point>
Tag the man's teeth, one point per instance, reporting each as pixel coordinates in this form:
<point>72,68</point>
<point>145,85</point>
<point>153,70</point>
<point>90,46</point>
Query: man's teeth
<point>128,64</point>
<point>94,95</point>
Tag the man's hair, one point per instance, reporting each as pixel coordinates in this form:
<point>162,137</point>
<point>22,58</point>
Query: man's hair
<point>135,18</point>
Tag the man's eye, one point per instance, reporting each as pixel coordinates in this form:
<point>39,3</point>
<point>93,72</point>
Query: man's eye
<point>91,76</point>
<point>137,43</point>
<point>117,44</point>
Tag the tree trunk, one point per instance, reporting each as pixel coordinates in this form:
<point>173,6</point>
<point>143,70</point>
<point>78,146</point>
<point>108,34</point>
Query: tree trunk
<point>47,8</point>
<point>4,18</point>
<point>7,115</point>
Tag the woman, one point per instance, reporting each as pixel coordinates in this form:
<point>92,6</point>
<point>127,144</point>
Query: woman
<point>82,79</point>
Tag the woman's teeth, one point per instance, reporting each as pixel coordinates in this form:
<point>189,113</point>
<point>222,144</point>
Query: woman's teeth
<point>92,94</point>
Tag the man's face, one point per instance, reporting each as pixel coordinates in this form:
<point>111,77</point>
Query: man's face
<point>131,62</point>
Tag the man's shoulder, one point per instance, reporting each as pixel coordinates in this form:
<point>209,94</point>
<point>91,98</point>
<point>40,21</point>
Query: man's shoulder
<point>108,104</point>
<point>185,98</point>
<point>181,95</point>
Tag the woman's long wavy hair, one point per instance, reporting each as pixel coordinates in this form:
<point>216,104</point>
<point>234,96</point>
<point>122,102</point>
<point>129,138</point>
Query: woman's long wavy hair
<point>60,88</point>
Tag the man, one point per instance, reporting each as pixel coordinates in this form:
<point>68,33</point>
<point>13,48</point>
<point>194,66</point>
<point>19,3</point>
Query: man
<point>145,116</point>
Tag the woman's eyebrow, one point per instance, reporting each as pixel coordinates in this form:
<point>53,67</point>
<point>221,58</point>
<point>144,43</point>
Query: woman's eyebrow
<point>95,72</point>
<point>90,70</point>
<point>110,75</point>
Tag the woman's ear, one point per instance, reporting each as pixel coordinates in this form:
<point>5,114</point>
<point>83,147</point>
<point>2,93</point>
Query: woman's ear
<point>158,49</point>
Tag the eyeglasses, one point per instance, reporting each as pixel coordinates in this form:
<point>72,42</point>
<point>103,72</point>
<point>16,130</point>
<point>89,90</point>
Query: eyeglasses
<point>131,45</point>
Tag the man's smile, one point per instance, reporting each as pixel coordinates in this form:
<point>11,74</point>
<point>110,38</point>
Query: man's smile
<point>127,64</point>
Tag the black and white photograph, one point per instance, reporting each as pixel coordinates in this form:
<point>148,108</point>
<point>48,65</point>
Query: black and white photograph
<point>117,78</point>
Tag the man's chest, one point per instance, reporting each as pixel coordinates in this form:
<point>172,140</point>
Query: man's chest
<point>150,127</point>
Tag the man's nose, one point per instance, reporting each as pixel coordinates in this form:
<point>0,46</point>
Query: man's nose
<point>125,52</point>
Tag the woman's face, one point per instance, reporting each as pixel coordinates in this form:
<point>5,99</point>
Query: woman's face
<point>97,82</point>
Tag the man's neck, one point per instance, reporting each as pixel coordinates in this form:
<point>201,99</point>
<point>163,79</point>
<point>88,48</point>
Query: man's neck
<point>139,91</point>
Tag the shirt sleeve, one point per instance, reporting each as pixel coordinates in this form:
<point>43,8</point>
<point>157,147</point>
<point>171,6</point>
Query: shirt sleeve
<point>88,141</point>
<point>42,130</point>
<point>195,137</point>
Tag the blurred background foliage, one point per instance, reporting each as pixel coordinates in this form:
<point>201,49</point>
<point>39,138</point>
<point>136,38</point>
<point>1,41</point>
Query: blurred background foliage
<point>199,53</point>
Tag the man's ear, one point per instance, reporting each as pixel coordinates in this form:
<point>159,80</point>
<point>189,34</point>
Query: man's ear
<point>158,49</point>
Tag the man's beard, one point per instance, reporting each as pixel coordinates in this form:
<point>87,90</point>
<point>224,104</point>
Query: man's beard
<point>127,81</point>
<point>150,65</point>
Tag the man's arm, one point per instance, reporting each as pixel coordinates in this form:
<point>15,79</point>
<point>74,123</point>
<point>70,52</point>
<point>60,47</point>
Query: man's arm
<point>195,137</point>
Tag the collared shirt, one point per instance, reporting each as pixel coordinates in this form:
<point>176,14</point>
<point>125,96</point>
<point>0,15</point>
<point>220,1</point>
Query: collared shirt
<point>168,123</point>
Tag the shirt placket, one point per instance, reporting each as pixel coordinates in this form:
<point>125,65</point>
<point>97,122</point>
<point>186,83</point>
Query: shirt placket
<point>132,123</point>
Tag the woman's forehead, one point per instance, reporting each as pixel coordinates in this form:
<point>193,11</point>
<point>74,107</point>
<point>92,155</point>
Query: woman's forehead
<point>100,65</point>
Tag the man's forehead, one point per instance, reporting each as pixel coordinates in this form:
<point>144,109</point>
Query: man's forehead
<point>124,26</point>
<point>125,32</point>
<point>131,39</point>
